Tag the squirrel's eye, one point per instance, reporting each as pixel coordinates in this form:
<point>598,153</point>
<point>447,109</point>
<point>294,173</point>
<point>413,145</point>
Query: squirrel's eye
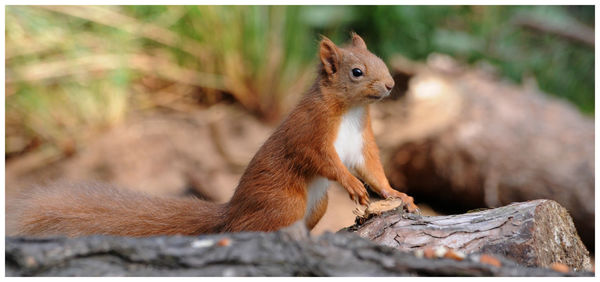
<point>357,72</point>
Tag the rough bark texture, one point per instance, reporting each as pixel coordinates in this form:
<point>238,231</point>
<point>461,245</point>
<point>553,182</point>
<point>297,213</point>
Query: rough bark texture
<point>470,141</point>
<point>534,233</point>
<point>241,254</point>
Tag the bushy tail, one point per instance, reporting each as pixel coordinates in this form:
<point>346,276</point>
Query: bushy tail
<point>77,210</point>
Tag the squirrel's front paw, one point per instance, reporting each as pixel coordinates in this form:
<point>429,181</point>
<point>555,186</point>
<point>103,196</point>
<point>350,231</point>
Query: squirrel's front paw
<point>357,191</point>
<point>407,200</point>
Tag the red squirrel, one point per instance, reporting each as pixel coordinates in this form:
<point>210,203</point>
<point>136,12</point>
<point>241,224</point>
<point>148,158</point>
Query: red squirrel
<point>327,137</point>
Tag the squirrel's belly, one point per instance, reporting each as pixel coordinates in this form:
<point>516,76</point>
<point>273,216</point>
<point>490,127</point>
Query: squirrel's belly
<point>349,140</point>
<point>317,189</point>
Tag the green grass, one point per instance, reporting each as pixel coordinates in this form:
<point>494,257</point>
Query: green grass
<point>73,70</point>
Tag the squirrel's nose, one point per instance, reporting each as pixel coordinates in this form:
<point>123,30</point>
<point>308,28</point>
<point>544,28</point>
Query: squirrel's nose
<point>389,85</point>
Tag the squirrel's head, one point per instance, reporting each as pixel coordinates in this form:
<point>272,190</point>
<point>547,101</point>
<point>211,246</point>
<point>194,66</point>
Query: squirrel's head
<point>362,76</point>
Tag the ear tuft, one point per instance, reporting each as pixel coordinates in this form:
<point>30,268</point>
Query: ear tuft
<point>357,41</point>
<point>329,55</point>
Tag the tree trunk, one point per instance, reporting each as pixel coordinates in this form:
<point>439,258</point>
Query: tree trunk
<point>535,233</point>
<point>239,254</point>
<point>467,140</point>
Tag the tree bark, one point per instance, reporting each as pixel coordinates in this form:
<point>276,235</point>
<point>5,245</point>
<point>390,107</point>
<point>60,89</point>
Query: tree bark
<point>535,233</point>
<point>239,254</point>
<point>467,140</point>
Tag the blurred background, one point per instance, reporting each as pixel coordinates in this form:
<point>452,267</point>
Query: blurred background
<point>175,100</point>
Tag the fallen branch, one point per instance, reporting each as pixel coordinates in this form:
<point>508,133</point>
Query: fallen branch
<point>535,233</point>
<point>573,31</point>
<point>239,254</point>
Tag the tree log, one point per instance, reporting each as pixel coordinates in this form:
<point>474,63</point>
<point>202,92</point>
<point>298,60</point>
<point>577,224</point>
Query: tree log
<point>535,233</point>
<point>239,254</point>
<point>467,140</point>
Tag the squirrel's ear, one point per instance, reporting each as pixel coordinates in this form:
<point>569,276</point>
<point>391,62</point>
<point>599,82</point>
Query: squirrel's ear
<point>329,55</point>
<point>357,41</point>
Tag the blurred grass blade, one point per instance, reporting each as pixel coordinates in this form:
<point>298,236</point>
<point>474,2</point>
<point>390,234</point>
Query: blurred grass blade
<point>102,62</point>
<point>134,27</point>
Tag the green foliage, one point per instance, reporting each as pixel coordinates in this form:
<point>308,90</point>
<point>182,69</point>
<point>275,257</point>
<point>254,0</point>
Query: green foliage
<point>488,33</point>
<point>73,68</point>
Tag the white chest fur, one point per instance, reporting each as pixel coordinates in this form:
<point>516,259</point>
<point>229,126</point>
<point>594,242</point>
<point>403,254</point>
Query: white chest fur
<point>349,141</point>
<point>348,145</point>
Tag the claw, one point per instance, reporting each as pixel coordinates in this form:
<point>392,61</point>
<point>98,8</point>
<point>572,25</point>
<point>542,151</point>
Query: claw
<point>413,216</point>
<point>411,207</point>
<point>364,201</point>
<point>407,201</point>
<point>416,211</point>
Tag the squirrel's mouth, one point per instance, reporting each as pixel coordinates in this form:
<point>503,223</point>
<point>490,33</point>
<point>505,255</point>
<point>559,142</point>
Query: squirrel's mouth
<point>377,97</point>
